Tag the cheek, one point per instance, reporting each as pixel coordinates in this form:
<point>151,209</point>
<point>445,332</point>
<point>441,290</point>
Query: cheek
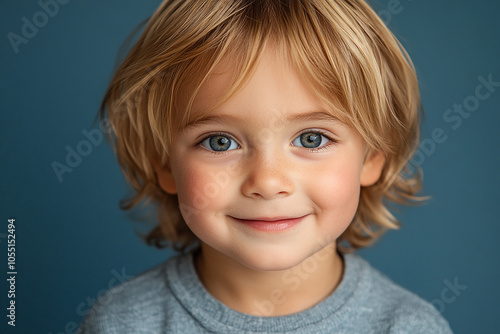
<point>203,195</point>
<point>201,187</point>
<point>336,190</point>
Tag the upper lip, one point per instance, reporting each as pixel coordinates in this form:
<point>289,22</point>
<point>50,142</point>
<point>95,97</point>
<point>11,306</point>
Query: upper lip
<point>271,219</point>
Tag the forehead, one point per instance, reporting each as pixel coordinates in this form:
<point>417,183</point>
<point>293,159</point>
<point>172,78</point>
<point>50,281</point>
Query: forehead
<point>272,85</point>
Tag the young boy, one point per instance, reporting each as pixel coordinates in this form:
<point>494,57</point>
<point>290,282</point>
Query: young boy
<point>271,135</point>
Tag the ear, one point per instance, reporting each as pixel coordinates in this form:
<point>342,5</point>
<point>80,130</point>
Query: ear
<point>372,168</point>
<point>165,177</point>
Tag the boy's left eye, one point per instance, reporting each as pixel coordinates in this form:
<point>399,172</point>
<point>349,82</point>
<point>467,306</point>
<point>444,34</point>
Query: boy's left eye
<point>311,139</point>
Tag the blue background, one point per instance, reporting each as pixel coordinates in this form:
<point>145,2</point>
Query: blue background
<point>72,239</point>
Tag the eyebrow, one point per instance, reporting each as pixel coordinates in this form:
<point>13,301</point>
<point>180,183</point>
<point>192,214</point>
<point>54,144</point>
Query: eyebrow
<point>213,119</point>
<point>318,115</point>
<point>224,119</point>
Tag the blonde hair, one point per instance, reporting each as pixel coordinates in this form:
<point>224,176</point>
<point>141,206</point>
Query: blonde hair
<point>350,58</point>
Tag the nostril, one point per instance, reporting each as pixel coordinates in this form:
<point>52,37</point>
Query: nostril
<point>267,186</point>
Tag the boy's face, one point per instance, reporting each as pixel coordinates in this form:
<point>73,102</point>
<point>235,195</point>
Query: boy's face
<point>268,178</point>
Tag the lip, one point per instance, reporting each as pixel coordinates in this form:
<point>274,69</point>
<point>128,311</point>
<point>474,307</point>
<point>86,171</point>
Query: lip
<point>271,224</point>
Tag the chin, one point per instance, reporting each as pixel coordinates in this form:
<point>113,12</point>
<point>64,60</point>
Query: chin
<point>271,261</point>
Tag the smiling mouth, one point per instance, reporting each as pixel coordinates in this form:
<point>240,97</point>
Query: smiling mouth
<point>270,224</point>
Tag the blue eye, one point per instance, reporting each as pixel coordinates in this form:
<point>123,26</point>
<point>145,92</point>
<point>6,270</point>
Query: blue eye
<point>311,140</point>
<point>219,143</point>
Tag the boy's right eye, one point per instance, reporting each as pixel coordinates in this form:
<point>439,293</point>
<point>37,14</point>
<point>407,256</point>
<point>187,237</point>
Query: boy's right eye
<point>219,143</point>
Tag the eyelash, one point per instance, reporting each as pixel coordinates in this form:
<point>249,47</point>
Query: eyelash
<point>214,135</point>
<point>327,146</point>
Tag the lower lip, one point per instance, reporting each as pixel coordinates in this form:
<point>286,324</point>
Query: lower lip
<point>271,226</point>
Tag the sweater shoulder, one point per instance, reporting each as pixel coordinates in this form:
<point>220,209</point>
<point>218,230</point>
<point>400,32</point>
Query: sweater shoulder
<point>142,299</point>
<point>395,309</point>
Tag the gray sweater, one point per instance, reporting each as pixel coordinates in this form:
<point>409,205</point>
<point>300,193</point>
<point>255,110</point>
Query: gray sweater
<point>170,299</point>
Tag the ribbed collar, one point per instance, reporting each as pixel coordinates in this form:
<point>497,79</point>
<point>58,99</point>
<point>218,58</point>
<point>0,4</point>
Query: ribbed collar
<point>215,316</point>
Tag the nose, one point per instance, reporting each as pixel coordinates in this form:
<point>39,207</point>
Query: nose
<point>268,176</point>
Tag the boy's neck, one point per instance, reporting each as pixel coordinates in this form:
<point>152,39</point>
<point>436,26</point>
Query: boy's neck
<point>268,293</point>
